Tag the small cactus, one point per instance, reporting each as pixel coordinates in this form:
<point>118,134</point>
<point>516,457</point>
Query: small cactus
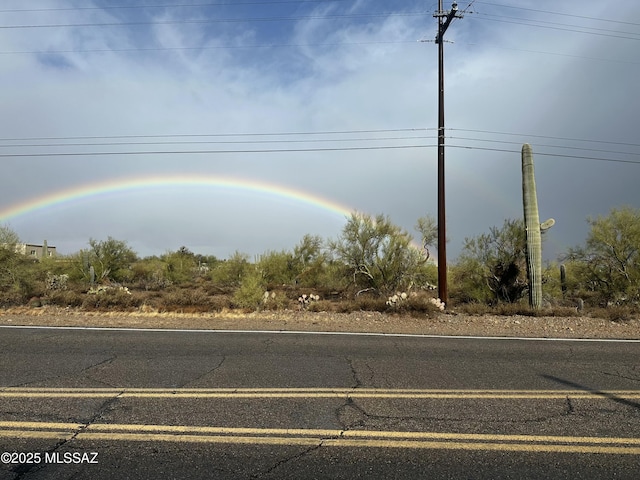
<point>563,279</point>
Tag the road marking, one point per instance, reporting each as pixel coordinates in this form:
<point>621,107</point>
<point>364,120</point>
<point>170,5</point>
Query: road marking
<point>308,393</point>
<point>299,332</point>
<point>320,437</point>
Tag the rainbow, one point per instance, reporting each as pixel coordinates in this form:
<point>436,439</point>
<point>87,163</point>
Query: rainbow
<point>159,181</point>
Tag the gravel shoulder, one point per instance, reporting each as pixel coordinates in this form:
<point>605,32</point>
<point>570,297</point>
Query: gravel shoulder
<point>368,322</point>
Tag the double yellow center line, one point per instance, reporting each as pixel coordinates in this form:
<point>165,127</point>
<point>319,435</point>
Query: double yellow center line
<point>257,393</point>
<point>314,437</point>
<point>318,437</point>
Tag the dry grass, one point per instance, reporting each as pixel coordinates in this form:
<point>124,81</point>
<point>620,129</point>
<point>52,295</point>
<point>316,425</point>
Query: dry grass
<point>206,299</point>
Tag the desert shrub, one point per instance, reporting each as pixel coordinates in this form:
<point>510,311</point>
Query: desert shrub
<point>111,299</point>
<point>65,298</point>
<point>376,255</point>
<point>11,298</point>
<point>468,283</point>
<point>275,300</point>
<point>616,313</point>
<point>20,277</point>
<point>56,282</point>
<point>321,306</point>
<point>111,259</point>
<point>367,303</point>
<point>610,258</point>
<point>178,299</point>
<point>219,303</point>
<point>421,302</point>
<point>150,274</point>
<point>277,268</point>
<point>230,272</point>
<point>492,267</point>
<point>250,294</point>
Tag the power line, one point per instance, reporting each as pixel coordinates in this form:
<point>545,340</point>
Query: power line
<point>215,142</point>
<point>268,138</point>
<point>586,32</point>
<point>549,154</point>
<point>302,150</point>
<point>527,135</point>
<point>211,152</point>
<point>310,133</point>
<point>584,149</point>
<point>542,23</point>
<point>501,5</point>
<point>238,134</point>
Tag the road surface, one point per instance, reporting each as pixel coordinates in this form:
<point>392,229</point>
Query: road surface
<point>105,404</point>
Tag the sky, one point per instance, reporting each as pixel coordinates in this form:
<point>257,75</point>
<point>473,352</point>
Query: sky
<point>228,126</point>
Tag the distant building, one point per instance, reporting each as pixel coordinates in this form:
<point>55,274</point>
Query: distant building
<point>36,251</point>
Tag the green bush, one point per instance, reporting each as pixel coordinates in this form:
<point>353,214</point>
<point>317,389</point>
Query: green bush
<point>250,294</point>
<point>229,273</point>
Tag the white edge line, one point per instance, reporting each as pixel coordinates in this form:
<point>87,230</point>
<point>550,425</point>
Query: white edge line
<point>301,332</point>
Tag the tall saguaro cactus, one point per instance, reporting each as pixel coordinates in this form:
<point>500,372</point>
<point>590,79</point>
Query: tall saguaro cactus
<point>533,228</point>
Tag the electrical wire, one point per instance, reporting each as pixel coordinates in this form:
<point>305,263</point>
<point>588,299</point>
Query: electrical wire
<point>267,138</point>
<point>586,32</point>
<point>213,142</point>
<point>501,5</point>
<point>541,23</point>
<point>212,152</point>
<point>547,145</point>
<point>240,134</point>
<point>541,136</point>
<point>549,154</point>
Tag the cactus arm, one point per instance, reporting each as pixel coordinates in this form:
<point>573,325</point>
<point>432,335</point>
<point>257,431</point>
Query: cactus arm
<point>547,224</point>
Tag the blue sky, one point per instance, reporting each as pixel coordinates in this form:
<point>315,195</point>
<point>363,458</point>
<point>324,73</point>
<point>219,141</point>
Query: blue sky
<point>189,75</point>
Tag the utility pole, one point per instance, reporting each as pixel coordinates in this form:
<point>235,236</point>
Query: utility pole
<point>444,20</point>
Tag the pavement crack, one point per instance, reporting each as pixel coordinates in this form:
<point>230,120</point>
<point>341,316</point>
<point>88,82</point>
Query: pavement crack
<point>24,469</point>
<point>354,374</point>
<point>351,415</point>
<point>358,381</point>
<point>292,458</point>
<point>570,408</point>
<point>99,364</point>
<point>619,375</point>
<point>107,361</point>
<point>208,372</point>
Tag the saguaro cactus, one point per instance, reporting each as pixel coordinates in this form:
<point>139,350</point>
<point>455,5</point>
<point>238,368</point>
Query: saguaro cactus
<point>563,279</point>
<point>532,228</point>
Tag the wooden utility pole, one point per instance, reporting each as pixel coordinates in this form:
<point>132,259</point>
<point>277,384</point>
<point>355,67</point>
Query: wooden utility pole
<point>444,20</point>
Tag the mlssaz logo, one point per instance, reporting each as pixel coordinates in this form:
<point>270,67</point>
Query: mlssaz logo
<point>71,457</point>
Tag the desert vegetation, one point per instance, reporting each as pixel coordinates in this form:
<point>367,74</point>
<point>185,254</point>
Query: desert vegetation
<point>372,265</point>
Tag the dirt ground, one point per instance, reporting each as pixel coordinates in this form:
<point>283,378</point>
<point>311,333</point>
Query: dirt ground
<point>370,322</point>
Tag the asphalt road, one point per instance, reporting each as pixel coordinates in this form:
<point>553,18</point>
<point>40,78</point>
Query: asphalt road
<point>103,404</point>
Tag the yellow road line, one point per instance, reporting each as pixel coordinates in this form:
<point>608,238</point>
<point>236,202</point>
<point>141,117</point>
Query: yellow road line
<point>310,393</point>
<point>328,438</point>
